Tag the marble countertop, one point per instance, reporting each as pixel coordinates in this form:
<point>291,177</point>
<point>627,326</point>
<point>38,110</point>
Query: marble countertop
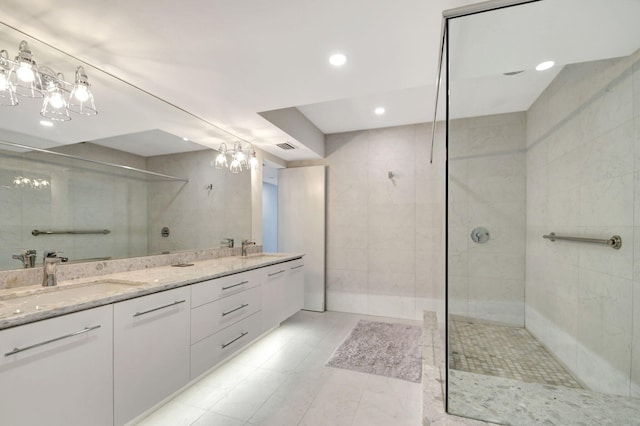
<point>33,303</point>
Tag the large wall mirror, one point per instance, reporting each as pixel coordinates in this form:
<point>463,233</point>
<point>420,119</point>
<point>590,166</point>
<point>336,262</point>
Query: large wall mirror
<point>544,137</point>
<point>41,192</point>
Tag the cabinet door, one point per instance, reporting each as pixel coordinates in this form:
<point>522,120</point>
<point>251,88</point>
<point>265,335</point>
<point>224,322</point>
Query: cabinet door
<point>273,280</point>
<point>293,288</point>
<point>151,351</point>
<point>58,371</point>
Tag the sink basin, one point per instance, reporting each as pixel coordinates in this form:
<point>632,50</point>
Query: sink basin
<point>50,295</point>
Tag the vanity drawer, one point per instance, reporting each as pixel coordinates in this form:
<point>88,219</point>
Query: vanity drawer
<point>214,349</point>
<point>217,288</point>
<point>212,317</point>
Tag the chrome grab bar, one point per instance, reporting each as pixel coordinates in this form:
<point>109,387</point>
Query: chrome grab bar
<point>276,273</point>
<point>66,336</point>
<point>614,242</point>
<point>137,314</point>
<point>224,345</point>
<point>235,285</point>
<point>236,309</point>
<point>35,232</point>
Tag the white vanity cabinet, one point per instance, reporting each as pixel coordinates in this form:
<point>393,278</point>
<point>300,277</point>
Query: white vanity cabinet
<point>58,371</point>
<point>282,291</point>
<point>151,350</point>
<point>224,318</point>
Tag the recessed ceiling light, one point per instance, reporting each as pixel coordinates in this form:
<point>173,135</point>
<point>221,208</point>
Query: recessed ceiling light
<point>545,65</point>
<point>337,59</point>
<point>46,123</point>
<point>379,110</point>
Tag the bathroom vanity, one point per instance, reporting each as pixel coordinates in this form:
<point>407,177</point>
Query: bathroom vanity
<point>106,349</point>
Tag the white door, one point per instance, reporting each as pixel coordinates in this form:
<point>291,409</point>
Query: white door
<point>301,226</point>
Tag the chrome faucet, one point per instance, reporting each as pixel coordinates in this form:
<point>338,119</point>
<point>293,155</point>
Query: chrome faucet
<point>27,257</point>
<point>226,243</point>
<point>51,259</point>
<point>246,243</point>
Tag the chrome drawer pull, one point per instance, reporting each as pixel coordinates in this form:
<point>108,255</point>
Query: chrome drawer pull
<point>296,267</point>
<point>235,285</point>
<point>236,309</point>
<point>66,336</point>
<point>224,345</point>
<point>276,273</point>
<point>137,314</point>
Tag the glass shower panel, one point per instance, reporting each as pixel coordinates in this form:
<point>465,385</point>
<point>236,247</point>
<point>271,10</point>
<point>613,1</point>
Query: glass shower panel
<point>540,329</point>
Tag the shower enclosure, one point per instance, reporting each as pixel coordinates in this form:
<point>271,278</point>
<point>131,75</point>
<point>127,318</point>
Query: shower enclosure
<point>543,143</point>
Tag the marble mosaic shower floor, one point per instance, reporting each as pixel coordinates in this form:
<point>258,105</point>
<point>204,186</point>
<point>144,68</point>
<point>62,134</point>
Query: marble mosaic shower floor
<point>504,351</point>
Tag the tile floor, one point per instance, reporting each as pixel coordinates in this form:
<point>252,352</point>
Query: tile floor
<point>503,351</point>
<point>282,380</point>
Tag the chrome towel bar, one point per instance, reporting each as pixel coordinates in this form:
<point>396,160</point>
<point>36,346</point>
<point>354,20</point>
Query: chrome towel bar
<point>35,232</point>
<point>614,242</point>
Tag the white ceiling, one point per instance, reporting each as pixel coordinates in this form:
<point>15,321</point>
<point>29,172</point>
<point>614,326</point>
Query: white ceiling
<point>225,61</point>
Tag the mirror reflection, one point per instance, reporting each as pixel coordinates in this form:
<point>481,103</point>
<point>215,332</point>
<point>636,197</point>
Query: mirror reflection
<point>97,211</point>
<point>544,138</point>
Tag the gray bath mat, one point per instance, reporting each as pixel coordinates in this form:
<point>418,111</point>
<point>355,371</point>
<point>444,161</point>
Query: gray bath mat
<point>392,350</point>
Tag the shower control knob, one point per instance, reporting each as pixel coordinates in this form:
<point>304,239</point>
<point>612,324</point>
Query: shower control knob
<point>480,235</point>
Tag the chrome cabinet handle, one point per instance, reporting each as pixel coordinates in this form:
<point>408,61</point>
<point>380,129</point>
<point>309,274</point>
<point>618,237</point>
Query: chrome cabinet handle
<point>66,336</point>
<point>224,345</point>
<point>137,314</point>
<point>296,267</point>
<point>236,309</point>
<point>235,285</point>
<point>276,273</point>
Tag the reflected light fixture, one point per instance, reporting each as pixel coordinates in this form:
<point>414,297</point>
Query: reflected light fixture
<point>545,65</point>
<point>7,91</point>
<point>379,110</point>
<point>237,160</point>
<point>337,59</point>
<point>23,77</point>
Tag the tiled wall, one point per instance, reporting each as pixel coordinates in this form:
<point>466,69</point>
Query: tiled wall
<point>487,188</point>
<point>79,198</point>
<point>385,237</point>
<point>197,217</point>
<point>583,178</point>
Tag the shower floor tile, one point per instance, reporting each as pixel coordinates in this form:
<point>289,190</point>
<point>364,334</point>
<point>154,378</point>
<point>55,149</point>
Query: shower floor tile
<point>504,351</point>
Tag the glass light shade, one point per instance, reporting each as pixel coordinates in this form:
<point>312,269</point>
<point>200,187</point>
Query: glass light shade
<point>54,106</point>
<point>81,99</point>
<point>253,161</point>
<point>235,166</point>
<point>7,91</point>
<point>221,158</point>
<point>24,74</point>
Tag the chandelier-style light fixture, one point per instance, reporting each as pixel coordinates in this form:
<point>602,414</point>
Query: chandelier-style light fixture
<point>32,183</point>
<point>21,77</point>
<point>237,159</point>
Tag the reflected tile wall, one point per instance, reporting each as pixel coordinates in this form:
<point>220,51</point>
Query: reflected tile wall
<point>78,198</point>
<point>385,237</point>
<point>197,217</point>
<point>488,188</point>
<point>582,168</point>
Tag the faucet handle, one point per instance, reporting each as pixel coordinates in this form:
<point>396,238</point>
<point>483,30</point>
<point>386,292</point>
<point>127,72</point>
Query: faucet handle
<point>54,255</point>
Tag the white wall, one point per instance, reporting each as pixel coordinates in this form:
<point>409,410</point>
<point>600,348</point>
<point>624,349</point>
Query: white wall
<point>583,178</point>
<point>385,238</point>
<point>487,188</point>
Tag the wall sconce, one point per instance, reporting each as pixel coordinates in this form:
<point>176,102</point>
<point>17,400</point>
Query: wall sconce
<point>32,183</point>
<point>22,77</point>
<point>236,160</point>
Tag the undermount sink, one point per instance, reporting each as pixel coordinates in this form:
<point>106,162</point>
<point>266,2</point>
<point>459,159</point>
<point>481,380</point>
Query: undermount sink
<point>49,295</point>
